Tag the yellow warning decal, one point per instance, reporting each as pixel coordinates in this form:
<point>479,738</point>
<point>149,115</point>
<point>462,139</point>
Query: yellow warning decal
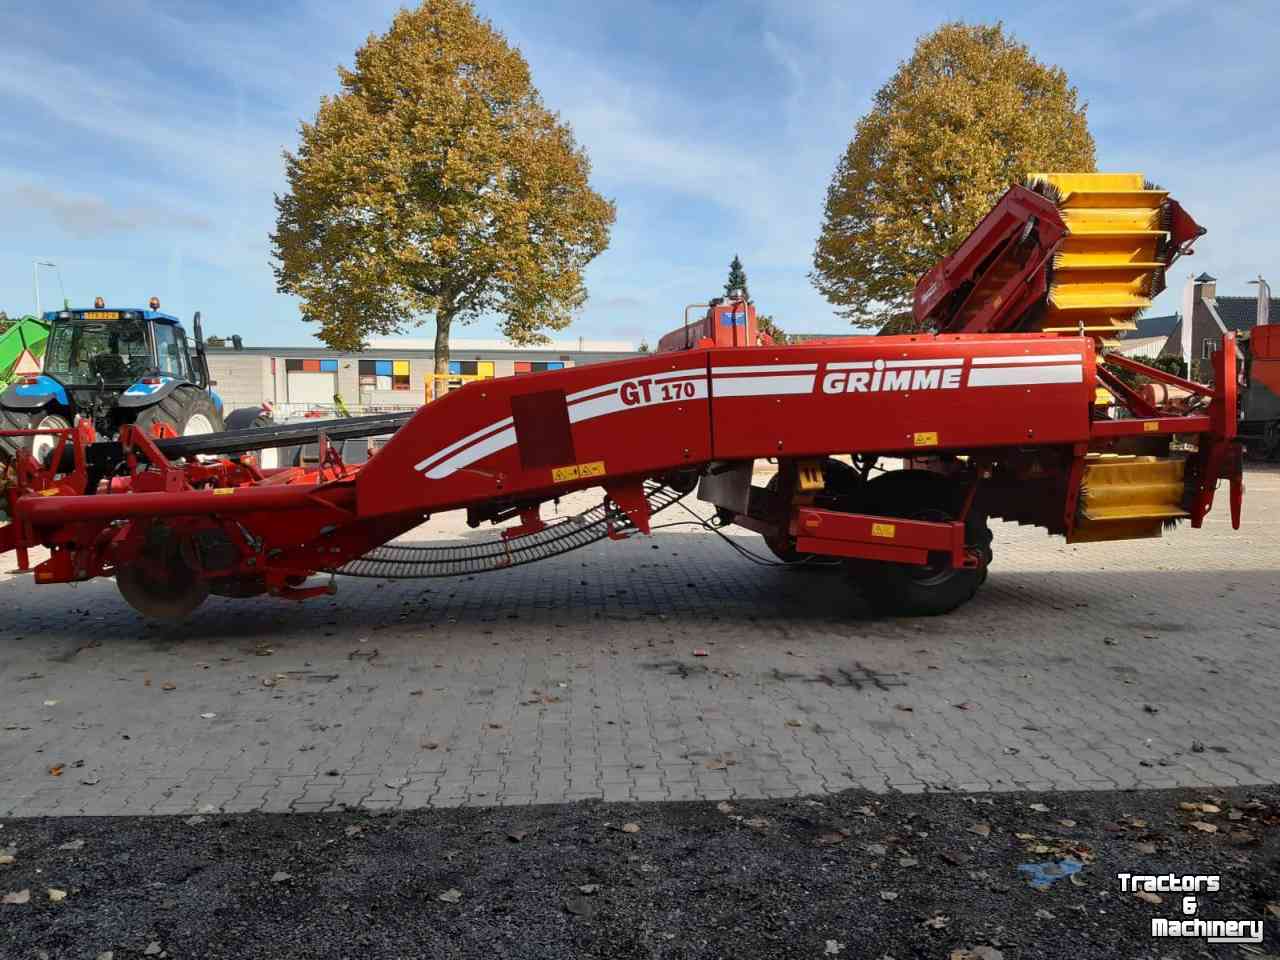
<point>223,491</point>
<point>1151,426</point>
<point>577,471</point>
<point>886,530</point>
<point>929,439</point>
<point>49,492</point>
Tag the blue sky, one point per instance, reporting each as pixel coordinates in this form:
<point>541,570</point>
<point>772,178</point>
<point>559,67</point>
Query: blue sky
<point>140,141</point>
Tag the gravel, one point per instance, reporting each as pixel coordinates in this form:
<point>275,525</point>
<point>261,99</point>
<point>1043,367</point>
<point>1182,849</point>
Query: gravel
<point>853,875</point>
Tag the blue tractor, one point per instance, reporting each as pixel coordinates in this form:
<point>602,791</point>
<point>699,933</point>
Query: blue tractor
<point>113,367</point>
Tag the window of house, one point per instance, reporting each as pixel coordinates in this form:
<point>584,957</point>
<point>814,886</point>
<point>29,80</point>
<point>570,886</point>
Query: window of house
<point>384,374</point>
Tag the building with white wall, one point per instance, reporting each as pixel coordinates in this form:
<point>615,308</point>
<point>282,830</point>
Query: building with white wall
<point>391,373</point>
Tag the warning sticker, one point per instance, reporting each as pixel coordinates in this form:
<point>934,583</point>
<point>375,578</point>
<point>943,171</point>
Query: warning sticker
<point>929,439</point>
<point>577,471</point>
<point>886,530</point>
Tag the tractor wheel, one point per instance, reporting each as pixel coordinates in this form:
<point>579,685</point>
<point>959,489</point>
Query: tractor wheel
<point>186,412</point>
<point>936,587</point>
<point>168,593</point>
<point>841,482</point>
<point>38,447</point>
<point>251,418</point>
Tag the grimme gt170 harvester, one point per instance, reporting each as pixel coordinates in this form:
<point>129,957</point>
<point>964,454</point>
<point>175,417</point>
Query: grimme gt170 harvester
<point>999,413</point>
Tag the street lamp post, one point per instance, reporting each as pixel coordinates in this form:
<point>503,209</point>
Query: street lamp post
<point>35,280</point>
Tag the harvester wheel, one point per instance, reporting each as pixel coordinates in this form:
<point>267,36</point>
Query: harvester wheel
<point>38,447</point>
<point>937,587</point>
<point>841,482</point>
<point>168,593</point>
<point>185,412</point>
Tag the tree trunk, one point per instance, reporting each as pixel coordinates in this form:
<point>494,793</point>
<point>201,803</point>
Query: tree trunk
<point>440,383</point>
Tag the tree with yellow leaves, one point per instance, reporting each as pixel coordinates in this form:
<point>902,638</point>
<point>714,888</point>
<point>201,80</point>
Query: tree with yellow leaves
<point>436,183</point>
<point>969,115</point>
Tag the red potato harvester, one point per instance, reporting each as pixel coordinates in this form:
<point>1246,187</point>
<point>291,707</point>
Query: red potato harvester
<point>1013,409</point>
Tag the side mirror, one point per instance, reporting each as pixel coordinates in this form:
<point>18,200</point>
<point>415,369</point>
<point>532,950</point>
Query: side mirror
<point>197,332</point>
<point>201,361</point>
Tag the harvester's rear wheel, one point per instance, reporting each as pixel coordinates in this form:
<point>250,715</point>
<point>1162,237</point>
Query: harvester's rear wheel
<point>186,412</point>
<point>165,586</point>
<point>936,587</point>
<point>38,447</point>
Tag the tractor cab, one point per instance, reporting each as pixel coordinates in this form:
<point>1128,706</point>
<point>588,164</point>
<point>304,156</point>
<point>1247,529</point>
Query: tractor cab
<point>109,367</point>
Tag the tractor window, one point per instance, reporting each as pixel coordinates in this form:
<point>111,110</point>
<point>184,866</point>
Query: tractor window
<point>81,353</point>
<point>170,357</point>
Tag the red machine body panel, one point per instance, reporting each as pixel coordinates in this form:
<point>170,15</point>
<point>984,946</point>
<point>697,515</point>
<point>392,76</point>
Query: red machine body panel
<point>726,324</point>
<point>901,394</point>
<point>519,435</point>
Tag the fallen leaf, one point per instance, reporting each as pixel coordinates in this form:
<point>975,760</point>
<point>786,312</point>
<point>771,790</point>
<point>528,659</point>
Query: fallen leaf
<point>830,839</point>
<point>590,889</point>
<point>56,896</point>
<point>700,652</point>
<point>1138,823</point>
<point>981,952</point>
<point>794,723</point>
<point>452,895</point>
<point>1045,914</point>
<point>430,744</point>
<point>168,685</point>
<point>52,703</point>
<point>72,845</point>
<point>714,763</point>
<point>757,823</point>
<point>908,862</point>
<point>1203,827</point>
<point>965,706</point>
<point>1235,815</point>
<point>832,948</point>
<point>1150,708</point>
<point>888,895</point>
<point>1066,823</point>
<point>1149,897</point>
<point>954,857</point>
<point>1038,807</point>
<point>194,821</point>
<point>20,896</point>
<point>1145,847</point>
<point>724,807</point>
<point>106,955</point>
<point>56,769</point>
<point>866,811</point>
<point>353,830</point>
<point>153,948</point>
<point>904,708</point>
<point>92,780</point>
<point>280,876</point>
<point>515,836</point>
<point>207,716</point>
<point>876,849</point>
<point>397,782</point>
<point>1273,909</point>
<point>981,829</point>
<point>937,923</point>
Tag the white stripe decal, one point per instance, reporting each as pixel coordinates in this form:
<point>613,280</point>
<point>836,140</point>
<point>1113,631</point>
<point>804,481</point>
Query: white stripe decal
<point>483,431</point>
<point>1042,358</point>
<point>763,386</point>
<point>851,365</point>
<point>901,364</point>
<point>1024,376</point>
<point>499,441</point>
<point>766,368</point>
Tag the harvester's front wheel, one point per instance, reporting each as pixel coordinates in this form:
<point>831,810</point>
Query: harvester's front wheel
<point>936,587</point>
<point>164,586</point>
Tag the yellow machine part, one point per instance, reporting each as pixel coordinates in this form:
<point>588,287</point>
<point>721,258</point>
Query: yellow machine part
<point>1128,498</point>
<point>1104,273</point>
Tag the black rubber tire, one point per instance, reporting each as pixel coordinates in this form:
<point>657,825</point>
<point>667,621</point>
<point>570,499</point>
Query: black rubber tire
<point>23,420</point>
<point>176,410</point>
<point>910,590</point>
<point>246,418</point>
